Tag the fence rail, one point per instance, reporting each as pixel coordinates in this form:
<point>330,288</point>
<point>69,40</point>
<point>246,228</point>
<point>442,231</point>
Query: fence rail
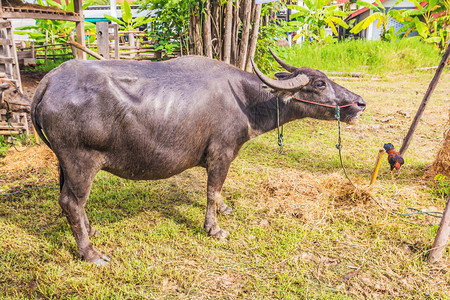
<point>110,43</point>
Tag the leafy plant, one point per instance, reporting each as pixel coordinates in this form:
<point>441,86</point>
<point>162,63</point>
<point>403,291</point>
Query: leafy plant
<point>170,28</point>
<point>128,22</point>
<point>60,29</point>
<point>432,28</point>
<point>381,15</point>
<point>313,19</point>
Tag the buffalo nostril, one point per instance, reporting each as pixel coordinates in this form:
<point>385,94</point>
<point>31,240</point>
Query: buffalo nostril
<point>361,103</point>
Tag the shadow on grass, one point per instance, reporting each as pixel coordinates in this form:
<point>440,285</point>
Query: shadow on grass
<point>112,200</point>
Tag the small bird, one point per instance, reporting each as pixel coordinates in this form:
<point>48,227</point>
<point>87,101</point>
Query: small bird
<point>394,158</point>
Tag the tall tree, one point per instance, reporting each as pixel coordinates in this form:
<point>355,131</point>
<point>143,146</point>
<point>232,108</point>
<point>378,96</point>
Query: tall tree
<point>222,29</point>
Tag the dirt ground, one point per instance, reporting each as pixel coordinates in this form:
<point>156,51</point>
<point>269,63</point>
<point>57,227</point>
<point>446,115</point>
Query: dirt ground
<point>30,81</point>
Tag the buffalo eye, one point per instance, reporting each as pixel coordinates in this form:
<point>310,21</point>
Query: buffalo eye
<point>320,84</point>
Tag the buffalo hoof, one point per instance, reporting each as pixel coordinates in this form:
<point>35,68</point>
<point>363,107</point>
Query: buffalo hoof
<point>94,232</point>
<point>226,210</point>
<point>221,235</point>
<point>100,262</point>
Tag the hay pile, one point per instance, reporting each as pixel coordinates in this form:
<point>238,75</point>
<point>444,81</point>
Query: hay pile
<point>30,158</point>
<point>307,196</point>
<point>441,164</point>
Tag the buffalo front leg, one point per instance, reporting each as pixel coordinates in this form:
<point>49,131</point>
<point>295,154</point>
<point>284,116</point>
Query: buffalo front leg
<point>217,173</point>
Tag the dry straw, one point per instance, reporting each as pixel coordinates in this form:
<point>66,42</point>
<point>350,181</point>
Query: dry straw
<point>308,196</point>
<point>29,158</point>
<point>441,164</point>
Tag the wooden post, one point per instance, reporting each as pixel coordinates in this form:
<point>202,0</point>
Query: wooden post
<point>116,41</point>
<point>74,49</point>
<point>103,39</point>
<point>46,43</point>
<point>33,53</point>
<point>79,27</point>
<point>441,236</point>
<point>132,43</point>
<point>427,96</point>
<point>53,45</point>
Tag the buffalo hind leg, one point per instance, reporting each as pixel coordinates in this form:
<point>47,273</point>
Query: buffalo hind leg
<point>74,194</point>
<point>217,172</point>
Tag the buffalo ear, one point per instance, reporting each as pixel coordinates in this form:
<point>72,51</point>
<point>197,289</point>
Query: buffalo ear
<point>282,75</point>
<point>4,86</point>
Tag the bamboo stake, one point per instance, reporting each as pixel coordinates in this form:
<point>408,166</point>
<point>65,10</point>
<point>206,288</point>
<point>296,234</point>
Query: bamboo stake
<point>427,96</point>
<point>46,38</point>
<point>377,167</point>
<point>53,47</point>
<point>441,236</point>
<point>86,50</point>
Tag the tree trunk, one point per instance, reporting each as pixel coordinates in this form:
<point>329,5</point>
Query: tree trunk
<point>217,28</point>
<point>235,34</point>
<point>254,38</point>
<point>196,32</point>
<point>243,45</point>
<point>228,29</point>
<point>442,235</point>
<point>207,30</point>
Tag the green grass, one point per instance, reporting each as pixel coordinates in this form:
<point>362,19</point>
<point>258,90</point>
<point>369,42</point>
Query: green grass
<point>372,57</point>
<point>291,235</point>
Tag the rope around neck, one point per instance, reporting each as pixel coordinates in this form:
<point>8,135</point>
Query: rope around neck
<point>280,133</point>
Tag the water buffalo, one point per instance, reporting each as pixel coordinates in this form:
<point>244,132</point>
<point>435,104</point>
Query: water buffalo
<point>152,120</point>
<point>11,98</point>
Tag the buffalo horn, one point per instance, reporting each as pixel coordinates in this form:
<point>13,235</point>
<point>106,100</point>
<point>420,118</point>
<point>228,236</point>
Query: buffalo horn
<point>282,63</point>
<point>288,84</point>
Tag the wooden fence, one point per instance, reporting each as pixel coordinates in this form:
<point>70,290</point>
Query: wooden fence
<point>114,44</point>
<point>109,43</point>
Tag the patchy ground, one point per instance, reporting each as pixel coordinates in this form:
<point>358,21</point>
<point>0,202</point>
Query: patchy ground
<point>298,230</point>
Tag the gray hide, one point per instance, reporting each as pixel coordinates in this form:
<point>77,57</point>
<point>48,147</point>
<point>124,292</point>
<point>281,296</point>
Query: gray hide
<point>11,98</point>
<point>152,120</point>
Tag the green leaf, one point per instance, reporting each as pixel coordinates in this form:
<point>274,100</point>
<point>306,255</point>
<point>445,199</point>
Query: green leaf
<point>29,27</point>
<point>380,5</point>
<point>299,14</point>
<point>340,13</point>
<point>366,22</point>
<point>433,40</point>
<point>368,5</point>
<point>126,12</point>
<point>338,21</point>
<point>297,7</point>
<point>53,3</point>
<point>421,27</point>
<point>113,19</point>
<point>70,5</point>
<point>396,15</point>
<point>416,3</point>
<point>331,25</point>
<point>379,23</point>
